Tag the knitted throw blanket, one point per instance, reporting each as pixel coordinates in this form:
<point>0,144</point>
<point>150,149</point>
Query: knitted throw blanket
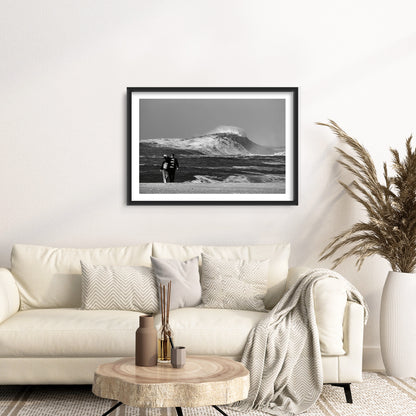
<point>283,354</point>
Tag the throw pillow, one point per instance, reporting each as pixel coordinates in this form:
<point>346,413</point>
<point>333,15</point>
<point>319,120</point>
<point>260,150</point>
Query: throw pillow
<point>186,287</point>
<point>234,284</point>
<point>128,288</point>
<point>278,254</point>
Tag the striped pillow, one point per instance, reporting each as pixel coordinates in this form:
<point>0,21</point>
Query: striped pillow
<point>127,288</point>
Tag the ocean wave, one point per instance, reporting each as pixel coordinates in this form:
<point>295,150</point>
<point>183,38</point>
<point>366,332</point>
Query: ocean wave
<point>264,178</point>
<point>260,168</point>
<point>207,145</point>
<point>215,144</point>
<point>282,153</point>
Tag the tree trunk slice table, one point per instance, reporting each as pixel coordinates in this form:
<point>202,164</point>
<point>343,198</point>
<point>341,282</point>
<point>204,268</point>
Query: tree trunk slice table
<point>203,381</point>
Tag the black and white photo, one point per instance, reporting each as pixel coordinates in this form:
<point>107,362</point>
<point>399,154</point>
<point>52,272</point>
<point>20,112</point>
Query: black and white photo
<point>212,146</point>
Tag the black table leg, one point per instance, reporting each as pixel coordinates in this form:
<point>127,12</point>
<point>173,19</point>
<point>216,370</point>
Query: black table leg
<point>113,408</point>
<point>178,410</point>
<point>219,410</point>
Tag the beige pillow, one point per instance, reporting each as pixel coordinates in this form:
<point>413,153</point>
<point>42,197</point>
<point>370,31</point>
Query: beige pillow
<point>277,254</point>
<point>51,277</point>
<point>234,284</point>
<point>123,288</point>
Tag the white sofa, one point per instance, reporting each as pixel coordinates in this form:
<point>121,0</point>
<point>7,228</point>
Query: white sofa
<point>46,339</point>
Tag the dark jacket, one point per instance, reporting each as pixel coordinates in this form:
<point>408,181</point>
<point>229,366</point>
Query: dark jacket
<point>173,163</point>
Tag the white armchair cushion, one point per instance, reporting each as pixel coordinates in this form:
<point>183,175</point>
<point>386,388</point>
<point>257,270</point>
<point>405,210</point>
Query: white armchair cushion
<point>330,300</point>
<point>9,295</point>
<point>278,254</point>
<point>51,277</point>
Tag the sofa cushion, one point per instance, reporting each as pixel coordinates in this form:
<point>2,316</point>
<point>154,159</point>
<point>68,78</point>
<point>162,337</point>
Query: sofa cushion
<point>123,288</point>
<point>212,331</point>
<point>81,333</point>
<point>176,251</point>
<point>51,277</point>
<point>278,254</point>
<point>69,333</point>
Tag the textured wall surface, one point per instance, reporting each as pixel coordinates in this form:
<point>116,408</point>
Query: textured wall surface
<point>64,69</point>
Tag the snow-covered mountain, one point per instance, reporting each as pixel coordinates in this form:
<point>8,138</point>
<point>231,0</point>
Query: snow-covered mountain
<point>223,140</point>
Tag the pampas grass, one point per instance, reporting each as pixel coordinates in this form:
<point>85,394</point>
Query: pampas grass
<point>390,229</point>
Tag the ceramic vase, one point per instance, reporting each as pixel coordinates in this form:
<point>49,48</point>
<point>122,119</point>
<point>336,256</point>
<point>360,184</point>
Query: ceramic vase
<point>146,342</point>
<point>178,357</point>
<point>398,324</point>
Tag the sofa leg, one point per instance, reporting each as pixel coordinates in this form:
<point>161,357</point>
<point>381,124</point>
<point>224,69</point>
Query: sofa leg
<point>347,390</point>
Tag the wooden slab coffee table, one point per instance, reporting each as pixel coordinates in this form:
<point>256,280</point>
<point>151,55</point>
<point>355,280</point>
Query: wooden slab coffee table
<point>203,381</point>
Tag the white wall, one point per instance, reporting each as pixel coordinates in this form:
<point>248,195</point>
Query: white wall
<point>64,68</point>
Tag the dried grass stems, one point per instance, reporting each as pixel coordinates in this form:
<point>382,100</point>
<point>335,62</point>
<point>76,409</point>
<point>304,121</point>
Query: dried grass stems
<point>390,229</point>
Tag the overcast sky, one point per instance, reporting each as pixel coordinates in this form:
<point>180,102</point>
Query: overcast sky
<point>262,119</point>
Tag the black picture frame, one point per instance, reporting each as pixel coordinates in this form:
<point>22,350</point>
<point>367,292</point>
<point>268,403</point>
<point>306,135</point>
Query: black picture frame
<point>291,162</point>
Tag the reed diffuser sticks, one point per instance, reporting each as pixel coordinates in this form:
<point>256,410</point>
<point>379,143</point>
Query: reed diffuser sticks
<point>165,342</point>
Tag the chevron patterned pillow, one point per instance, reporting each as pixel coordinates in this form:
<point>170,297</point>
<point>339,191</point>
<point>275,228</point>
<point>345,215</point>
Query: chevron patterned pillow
<point>127,288</point>
<point>234,284</point>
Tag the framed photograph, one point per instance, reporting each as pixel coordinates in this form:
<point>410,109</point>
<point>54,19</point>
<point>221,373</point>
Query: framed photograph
<point>212,146</point>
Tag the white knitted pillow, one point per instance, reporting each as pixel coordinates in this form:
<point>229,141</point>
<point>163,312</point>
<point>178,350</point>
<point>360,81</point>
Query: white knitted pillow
<point>127,288</point>
<point>234,284</point>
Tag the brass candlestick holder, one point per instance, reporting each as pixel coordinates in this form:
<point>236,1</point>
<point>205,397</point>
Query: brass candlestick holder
<point>165,333</point>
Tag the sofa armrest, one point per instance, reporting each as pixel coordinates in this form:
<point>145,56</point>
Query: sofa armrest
<point>348,368</point>
<point>353,328</point>
<point>330,299</point>
<point>352,362</point>
<point>9,295</point>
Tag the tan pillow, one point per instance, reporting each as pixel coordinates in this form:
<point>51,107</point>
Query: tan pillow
<point>51,277</point>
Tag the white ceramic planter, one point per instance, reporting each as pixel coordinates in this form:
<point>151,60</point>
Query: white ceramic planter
<point>398,324</point>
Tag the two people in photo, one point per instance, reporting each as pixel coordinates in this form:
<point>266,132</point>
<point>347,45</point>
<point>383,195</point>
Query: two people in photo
<point>168,168</point>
